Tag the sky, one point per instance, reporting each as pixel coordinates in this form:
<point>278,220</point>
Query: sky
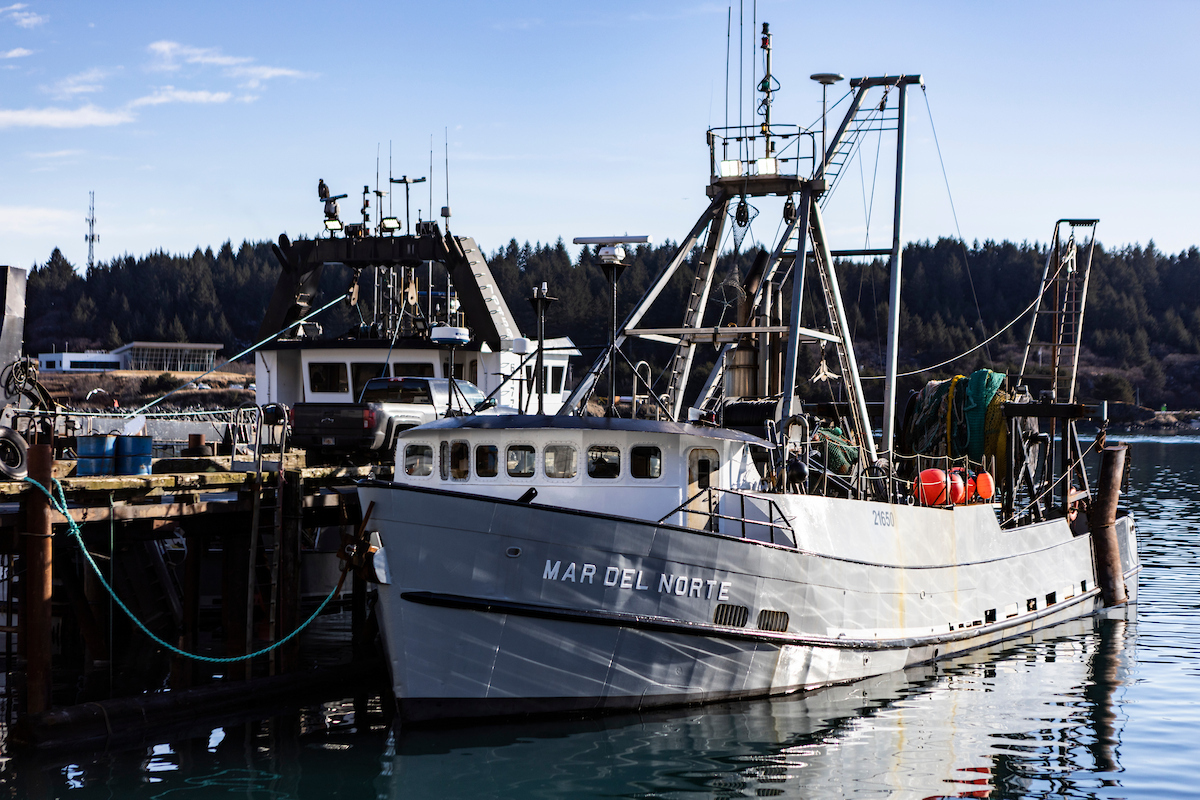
<point>198,123</point>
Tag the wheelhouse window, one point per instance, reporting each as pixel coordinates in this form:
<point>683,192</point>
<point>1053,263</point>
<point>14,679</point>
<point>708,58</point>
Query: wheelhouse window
<point>703,463</point>
<point>418,460</point>
<point>399,390</point>
<point>487,460</point>
<point>363,372</point>
<point>460,460</point>
<point>645,461</point>
<point>328,378</point>
<point>560,461</point>
<point>603,461</point>
<point>412,369</point>
<point>556,379</point>
<point>522,460</point>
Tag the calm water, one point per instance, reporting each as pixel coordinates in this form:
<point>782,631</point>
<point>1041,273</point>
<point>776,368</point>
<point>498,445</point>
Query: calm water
<point>1102,708</point>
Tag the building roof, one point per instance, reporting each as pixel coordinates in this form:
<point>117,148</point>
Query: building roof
<point>535,421</point>
<point>168,346</point>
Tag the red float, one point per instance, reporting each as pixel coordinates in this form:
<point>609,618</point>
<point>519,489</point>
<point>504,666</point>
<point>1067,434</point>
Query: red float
<point>958,488</point>
<point>932,488</point>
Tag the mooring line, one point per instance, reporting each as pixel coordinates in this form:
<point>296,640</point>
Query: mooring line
<point>59,504</point>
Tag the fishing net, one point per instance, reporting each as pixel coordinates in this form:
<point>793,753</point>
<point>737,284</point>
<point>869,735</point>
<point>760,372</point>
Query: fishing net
<point>958,417</point>
<point>840,454</point>
<point>982,387</point>
<point>739,229</point>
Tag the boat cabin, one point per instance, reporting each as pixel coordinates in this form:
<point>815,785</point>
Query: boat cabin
<point>645,468</point>
<point>336,371</point>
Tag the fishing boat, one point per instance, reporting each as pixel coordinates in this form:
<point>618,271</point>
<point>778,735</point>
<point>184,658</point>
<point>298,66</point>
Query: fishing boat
<point>751,544</point>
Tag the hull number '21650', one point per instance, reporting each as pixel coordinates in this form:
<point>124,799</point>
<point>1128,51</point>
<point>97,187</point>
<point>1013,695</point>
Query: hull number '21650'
<point>884,518</point>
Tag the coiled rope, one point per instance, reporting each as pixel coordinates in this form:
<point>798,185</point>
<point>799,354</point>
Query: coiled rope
<point>59,504</point>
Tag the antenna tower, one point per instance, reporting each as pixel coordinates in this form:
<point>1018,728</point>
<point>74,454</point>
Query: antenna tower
<point>92,237</point>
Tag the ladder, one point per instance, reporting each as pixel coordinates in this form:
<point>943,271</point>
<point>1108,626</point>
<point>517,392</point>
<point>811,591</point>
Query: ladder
<point>681,360</point>
<point>831,296</point>
<point>1057,323</point>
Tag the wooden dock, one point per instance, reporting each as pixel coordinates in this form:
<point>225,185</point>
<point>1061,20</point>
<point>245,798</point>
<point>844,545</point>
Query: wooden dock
<point>193,529</point>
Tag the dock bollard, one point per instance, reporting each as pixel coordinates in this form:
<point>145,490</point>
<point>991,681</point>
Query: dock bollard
<point>1102,520</point>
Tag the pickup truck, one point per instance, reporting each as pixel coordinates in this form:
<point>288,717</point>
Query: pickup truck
<point>387,406</point>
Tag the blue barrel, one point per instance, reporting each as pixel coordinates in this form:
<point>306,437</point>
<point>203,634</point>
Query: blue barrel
<point>133,455</point>
<point>96,455</point>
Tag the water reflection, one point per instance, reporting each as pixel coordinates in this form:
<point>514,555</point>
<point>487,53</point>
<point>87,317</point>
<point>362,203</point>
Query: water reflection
<point>1034,717</point>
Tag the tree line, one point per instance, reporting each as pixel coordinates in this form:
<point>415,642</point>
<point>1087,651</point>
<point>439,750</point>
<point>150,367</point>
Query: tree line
<point>1142,324</point>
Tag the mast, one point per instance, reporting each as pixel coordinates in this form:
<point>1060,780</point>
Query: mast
<point>893,345</point>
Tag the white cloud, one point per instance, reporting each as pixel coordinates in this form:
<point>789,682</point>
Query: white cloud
<point>88,116</point>
<point>17,52</point>
<point>24,19</point>
<point>169,94</point>
<point>32,221</point>
<point>84,83</point>
<point>57,154</point>
<point>170,56</point>
<point>255,75</point>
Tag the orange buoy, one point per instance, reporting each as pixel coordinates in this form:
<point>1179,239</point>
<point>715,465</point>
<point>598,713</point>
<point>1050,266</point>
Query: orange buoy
<point>958,488</point>
<point>932,488</point>
<point>971,490</point>
<point>985,485</point>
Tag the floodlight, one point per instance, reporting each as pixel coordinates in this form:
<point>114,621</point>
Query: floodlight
<point>730,168</point>
<point>767,166</point>
<point>333,224</point>
<point>389,224</point>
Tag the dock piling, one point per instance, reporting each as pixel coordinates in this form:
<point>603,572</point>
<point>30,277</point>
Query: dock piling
<point>37,613</point>
<point>1102,518</point>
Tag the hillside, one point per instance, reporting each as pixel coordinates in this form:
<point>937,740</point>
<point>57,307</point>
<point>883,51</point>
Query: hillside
<point>1141,337</point>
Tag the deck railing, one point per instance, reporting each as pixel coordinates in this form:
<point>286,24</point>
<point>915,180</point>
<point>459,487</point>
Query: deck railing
<point>734,513</point>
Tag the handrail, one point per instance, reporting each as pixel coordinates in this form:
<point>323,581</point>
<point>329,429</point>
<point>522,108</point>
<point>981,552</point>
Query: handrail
<point>776,519</point>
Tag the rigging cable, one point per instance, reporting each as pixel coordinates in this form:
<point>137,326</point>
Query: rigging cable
<point>962,242</point>
<point>247,351</point>
<point>984,343</point>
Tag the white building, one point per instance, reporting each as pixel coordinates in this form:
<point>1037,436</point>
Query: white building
<point>142,356</point>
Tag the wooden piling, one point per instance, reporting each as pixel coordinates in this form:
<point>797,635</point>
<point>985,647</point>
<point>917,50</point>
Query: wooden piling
<point>1102,520</point>
<point>36,615</point>
<point>235,546</point>
<point>183,670</point>
<point>292,499</point>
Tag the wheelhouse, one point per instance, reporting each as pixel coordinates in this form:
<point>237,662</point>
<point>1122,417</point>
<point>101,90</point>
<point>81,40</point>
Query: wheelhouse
<point>640,468</point>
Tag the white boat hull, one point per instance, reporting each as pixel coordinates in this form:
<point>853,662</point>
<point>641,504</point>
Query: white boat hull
<point>499,608</point>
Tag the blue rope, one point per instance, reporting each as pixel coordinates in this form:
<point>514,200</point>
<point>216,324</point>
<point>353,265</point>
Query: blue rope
<point>59,504</point>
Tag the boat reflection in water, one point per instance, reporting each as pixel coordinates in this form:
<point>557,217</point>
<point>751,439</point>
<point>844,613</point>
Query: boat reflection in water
<point>1029,716</point>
